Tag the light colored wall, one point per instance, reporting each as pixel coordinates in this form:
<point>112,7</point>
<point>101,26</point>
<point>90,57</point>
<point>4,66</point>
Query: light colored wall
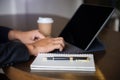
<point>77,3</point>
<point>60,7</point>
<point>6,7</point>
<point>9,9</point>
<point>12,7</point>
<point>55,7</point>
<point>64,8</point>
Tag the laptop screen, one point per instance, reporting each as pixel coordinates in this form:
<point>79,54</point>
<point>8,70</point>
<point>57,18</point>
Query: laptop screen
<point>86,24</point>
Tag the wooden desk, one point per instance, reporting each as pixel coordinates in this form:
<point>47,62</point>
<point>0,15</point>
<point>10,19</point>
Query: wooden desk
<point>107,64</point>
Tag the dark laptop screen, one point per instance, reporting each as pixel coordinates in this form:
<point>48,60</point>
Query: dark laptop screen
<point>85,25</point>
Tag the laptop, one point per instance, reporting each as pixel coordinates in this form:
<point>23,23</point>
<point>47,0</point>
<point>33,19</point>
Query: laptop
<point>80,35</point>
<point>82,30</point>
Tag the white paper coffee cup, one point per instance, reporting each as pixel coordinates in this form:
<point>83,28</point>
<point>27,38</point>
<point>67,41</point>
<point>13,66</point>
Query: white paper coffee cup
<point>45,25</point>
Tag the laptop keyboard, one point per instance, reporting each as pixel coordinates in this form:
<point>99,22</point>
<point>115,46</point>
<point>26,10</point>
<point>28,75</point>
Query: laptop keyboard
<point>69,49</point>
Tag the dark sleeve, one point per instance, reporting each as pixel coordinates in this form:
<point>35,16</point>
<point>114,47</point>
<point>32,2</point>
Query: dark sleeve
<point>4,34</point>
<point>12,53</point>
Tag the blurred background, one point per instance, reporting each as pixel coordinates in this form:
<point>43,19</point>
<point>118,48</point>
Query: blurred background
<point>23,14</point>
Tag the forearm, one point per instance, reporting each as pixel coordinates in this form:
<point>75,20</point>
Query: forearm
<point>7,34</point>
<point>32,49</point>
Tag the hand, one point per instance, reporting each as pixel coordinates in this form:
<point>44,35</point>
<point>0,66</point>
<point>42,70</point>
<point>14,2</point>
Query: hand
<point>47,45</point>
<point>26,36</point>
<point>30,36</point>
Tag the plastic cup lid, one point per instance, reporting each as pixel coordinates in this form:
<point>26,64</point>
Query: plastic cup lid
<point>45,20</point>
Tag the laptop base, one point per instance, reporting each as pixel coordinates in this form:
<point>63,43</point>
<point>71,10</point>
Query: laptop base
<point>96,46</point>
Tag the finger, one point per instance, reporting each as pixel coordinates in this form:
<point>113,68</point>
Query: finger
<point>38,34</point>
<point>38,37</point>
<point>58,46</point>
<point>59,40</point>
<point>41,36</point>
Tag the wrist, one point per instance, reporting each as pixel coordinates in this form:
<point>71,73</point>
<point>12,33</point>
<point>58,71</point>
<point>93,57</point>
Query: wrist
<point>32,50</point>
<point>14,35</point>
